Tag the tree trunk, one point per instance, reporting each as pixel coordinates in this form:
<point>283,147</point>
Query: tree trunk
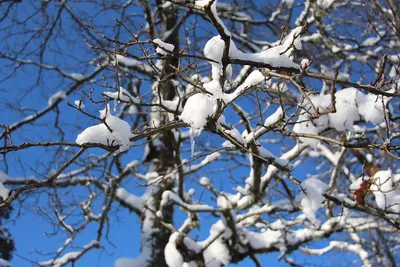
<point>165,152</point>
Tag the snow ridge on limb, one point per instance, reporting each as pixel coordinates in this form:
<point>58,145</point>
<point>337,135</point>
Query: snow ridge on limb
<point>350,106</point>
<point>113,131</point>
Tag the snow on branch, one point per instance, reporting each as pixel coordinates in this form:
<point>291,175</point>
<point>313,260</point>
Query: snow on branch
<point>71,256</point>
<point>113,131</point>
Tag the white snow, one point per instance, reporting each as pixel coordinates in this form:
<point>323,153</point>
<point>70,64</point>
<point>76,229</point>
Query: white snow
<point>163,48</point>
<point>214,49</point>
<point>133,63</point>
<point>79,103</point>
<point>277,56</point>
<point>357,183</point>
<point>371,109</point>
<point>197,109</point>
<point>70,256</point>
<point>253,79</point>
<point>60,95</point>
<point>123,95</point>
<point>312,198</point>
<point>387,195</point>
<point>119,134</point>
<point>217,253</point>
<point>227,201</point>
<point>371,41</point>
<point>169,196</point>
<point>274,118</point>
<point>351,106</point>
<point>130,199</point>
<point>4,192</point>
<point>172,256</point>
<point>346,110</point>
<point>202,3</point>
<point>289,3</point>
<point>204,181</point>
<point>325,3</point>
<point>77,76</point>
<point>4,263</point>
<point>305,63</point>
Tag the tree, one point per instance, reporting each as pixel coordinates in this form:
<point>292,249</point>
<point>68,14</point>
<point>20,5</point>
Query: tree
<point>260,127</point>
<point>6,241</point>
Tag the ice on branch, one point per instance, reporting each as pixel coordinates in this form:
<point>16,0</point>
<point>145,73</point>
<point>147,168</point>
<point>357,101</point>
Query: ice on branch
<point>163,48</point>
<point>351,106</point>
<point>312,191</point>
<point>118,132</point>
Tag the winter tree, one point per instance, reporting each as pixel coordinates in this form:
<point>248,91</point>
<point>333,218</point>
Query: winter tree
<point>211,132</point>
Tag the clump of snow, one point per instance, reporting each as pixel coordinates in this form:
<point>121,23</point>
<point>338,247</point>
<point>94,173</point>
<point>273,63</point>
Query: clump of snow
<point>77,76</point>
<point>325,4</point>
<point>217,253</point>
<point>172,255</point>
<point>227,201</point>
<point>79,104</point>
<point>305,63</point>
<point>307,126</point>
<point>159,214</point>
<point>163,48</point>
<point>255,78</point>
<point>235,134</point>
<point>204,181</point>
<point>351,105</point>
<point>387,195</point>
<point>346,109</point>
<point>119,135</point>
<point>277,56</point>
<point>357,183</point>
<point>373,40</point>
<point>197,109</point>
<point>312,198</point>
<point>274,118</point>
<point>202,3</point>
<point>60,95</point>
<point>70,256</point>
<point>289,3</point>
<point>371,109</point>
<point>122,94</point>
<point>4,192</point>
<point>292,39</point>
<point>214,49</point>
<point>4,263</point>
